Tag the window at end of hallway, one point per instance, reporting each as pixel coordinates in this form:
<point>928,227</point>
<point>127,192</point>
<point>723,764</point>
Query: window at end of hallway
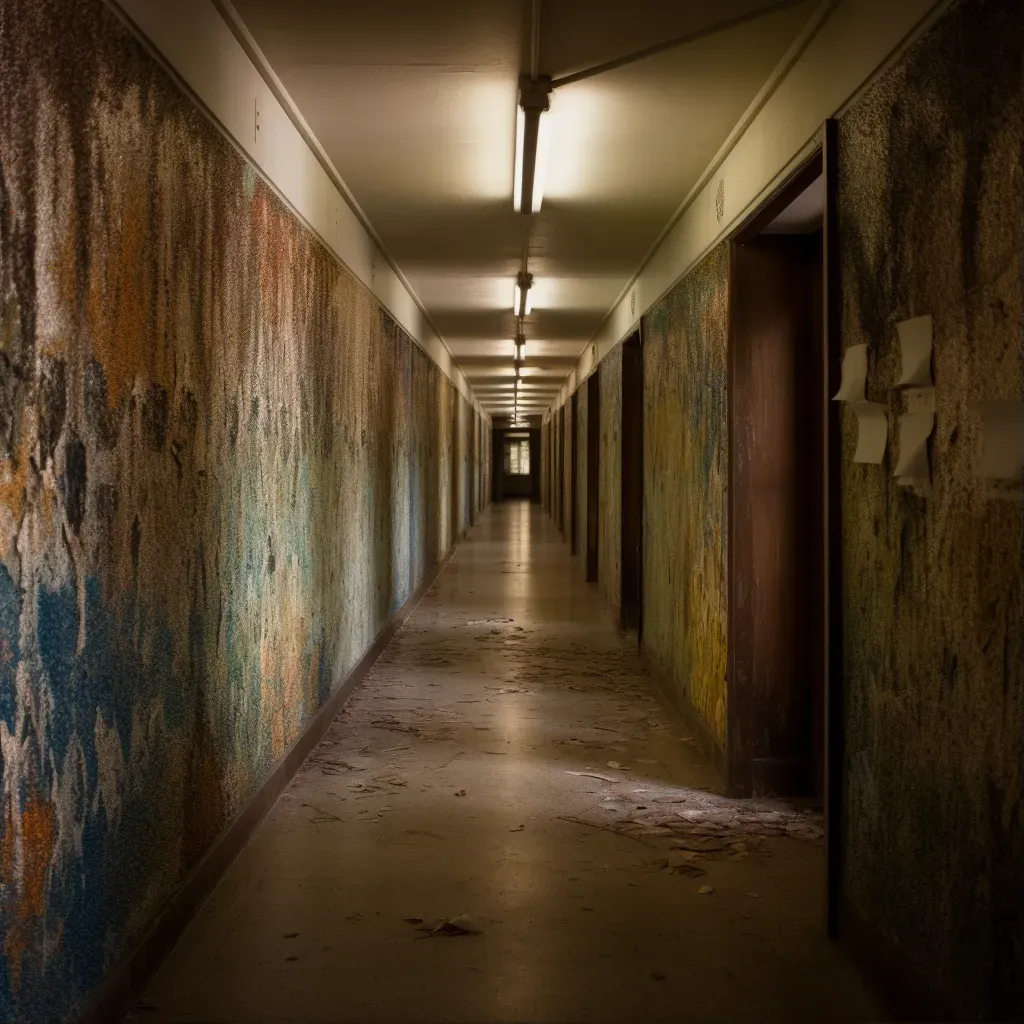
<point>517,457</point>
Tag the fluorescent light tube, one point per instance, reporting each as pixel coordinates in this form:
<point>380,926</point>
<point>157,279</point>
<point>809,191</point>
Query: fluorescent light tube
<point>532,141</point>
<point>540,166</point>
<point>517,188</point>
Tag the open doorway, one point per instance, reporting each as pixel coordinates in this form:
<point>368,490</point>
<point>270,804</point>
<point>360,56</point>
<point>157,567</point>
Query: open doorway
<point>593,469</point>
<point>514,464</point>
<point>574,440</point>
<point>632,476</point>
<point>777,587</point>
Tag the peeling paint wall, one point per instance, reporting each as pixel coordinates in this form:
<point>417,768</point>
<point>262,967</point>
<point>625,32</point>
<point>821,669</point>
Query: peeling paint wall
<point>931,221</point>
<point>222,470</point>
<point>686,454</point>
<point>609,525</point>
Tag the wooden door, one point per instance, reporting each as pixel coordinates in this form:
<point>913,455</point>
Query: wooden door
<point>631,555</point>
<point>593,470</point>
<point>574,440</point>
<point>776,528</point>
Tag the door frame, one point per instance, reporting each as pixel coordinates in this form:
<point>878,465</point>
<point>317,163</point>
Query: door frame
<point>634,342</point>
<point>835,731</point>
<point>822,162</point>
<point>574,462</point>
<point>593,385</point>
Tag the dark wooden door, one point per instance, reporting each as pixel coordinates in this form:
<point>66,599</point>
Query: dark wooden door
<point>631,555</point>
<point>560,471</point>
<point>593,470</point>
<point>776,511</point>
<point>574,440</point>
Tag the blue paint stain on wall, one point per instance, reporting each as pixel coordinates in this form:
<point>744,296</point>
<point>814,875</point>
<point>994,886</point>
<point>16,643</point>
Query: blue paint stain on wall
<point>160,702</point>
<point>10,614</point>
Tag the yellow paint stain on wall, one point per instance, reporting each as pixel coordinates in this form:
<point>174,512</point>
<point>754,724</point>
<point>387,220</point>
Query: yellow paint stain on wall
<point>685,489</point>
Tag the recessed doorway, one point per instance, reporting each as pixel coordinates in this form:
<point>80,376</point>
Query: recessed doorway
<point>776,708</point>
<point>632,477</point>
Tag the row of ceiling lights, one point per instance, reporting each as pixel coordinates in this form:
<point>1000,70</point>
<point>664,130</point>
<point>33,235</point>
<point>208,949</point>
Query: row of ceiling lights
<point>533,130</point>
<point>533,135</point>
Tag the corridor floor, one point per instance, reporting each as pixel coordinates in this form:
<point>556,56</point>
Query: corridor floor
<point>508,759</point>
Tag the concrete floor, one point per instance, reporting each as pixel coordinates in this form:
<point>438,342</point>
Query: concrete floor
<point>447,787</point>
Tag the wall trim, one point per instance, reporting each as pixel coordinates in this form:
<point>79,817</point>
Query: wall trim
<point>126,982</point>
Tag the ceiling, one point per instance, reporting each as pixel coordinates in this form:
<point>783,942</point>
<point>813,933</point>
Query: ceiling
<point>415,102</point>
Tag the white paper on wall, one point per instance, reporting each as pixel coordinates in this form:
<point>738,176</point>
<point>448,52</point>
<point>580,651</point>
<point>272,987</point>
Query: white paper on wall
<point>1003,427</point>
<point>872,432</point>
<point>855,372</point>
<point>916,346</point>
<point>912,467</point>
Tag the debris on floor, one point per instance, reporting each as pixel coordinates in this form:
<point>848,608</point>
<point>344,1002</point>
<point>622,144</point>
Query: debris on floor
<point>680,865</point>
<point>616,850</point>
<point>448,927</point>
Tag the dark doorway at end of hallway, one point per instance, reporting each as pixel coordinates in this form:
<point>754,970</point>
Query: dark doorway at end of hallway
<point>631,554</point>
<point>593,470</point>
<point>777,563</point>
<point>515,464</point>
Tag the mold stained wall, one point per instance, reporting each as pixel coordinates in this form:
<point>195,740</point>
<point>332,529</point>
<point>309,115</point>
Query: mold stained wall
<point>222,470</point>
<point>685,488</point>
<point>931,220</point>
<point>609,524</point>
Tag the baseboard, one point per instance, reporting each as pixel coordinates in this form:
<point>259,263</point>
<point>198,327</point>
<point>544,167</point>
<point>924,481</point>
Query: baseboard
<point>906,996</point>
<point>128,980</point>
<point>707,741</point>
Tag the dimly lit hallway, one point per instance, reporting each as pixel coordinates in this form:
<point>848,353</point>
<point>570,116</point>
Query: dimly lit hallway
<point>447,786</point>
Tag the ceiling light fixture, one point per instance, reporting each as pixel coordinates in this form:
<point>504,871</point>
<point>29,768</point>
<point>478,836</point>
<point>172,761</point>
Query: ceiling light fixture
<point>533,137</point>
<point>520,347</point>
<point>521,301</point>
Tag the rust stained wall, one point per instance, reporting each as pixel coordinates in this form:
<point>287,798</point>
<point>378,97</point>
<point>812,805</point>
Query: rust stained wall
<point>685,487</point>
<point>222,469</point>
<point>931,222</point>
<point>609,526</point>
